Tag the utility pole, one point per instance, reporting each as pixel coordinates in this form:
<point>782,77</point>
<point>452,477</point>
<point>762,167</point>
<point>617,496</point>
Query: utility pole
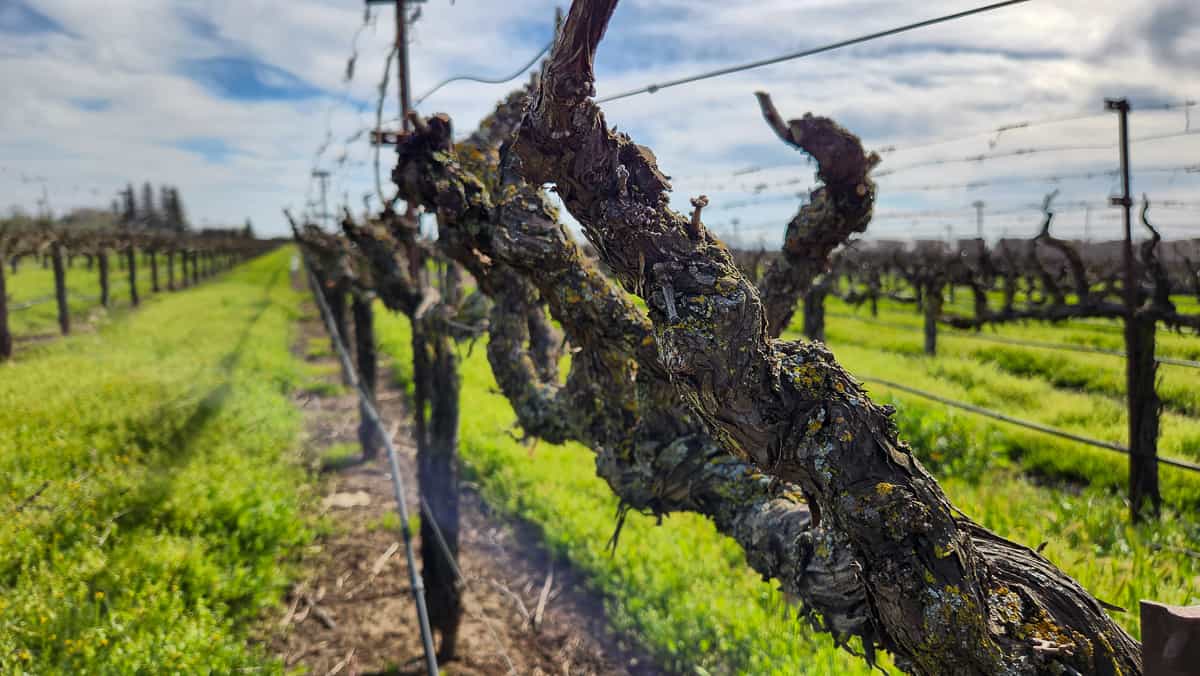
<point>402,72</point>
<point>402,61</point>
<point>323,176</point>
<point>978,204</point>
<point>1140,366</point>
<point>1087,225</point>
<point>379,137</point>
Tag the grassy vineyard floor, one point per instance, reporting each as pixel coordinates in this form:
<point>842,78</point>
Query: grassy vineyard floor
<point>686,590</point>
<point>352,606</point>
<point>149,484</point>
<point>1092,373</point>
<point>961,372</point>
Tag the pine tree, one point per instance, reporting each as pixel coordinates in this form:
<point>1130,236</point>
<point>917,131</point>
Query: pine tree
<point>174,213</point>
<point>149,214</point>
<point>129,212</point>
<point>248,231</point>
<point>166,208</point>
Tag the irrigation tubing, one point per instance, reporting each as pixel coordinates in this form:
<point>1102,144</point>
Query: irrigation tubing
<point>1066,347</point>
<point>1045,429</point>
<point>415,580</point>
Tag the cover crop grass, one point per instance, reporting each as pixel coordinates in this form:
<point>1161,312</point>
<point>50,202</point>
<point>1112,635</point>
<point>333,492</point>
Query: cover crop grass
<point>150,486</point>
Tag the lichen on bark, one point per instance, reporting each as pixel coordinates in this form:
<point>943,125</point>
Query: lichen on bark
<point>932,576</point>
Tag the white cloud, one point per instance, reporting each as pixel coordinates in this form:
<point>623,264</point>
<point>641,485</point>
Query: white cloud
<point>1027,62</point>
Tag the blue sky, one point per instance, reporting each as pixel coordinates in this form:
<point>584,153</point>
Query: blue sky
<point>236,103</point>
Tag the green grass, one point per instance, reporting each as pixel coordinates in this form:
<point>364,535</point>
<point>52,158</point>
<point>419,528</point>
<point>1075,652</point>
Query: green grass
<point>162,451</point>
<point>1093,373</point>
<point>685,591</point>
<point>33,282</point>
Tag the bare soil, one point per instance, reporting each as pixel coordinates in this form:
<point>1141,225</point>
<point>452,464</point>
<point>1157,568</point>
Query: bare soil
<point>353,612</point>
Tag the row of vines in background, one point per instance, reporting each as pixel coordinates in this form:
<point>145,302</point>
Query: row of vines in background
<point>175,261</point>
<point>1043,279</point>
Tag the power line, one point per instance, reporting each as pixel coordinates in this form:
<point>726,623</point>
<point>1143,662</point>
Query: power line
<point>650,89</point>
<point>1021,152</point>
<point>1013,126</point>
<point>485,80</point>
<point>1030,124</point>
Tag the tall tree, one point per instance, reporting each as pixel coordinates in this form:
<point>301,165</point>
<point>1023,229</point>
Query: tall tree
<point>175,214</point>
<point>129,210</point>
<point>148,215</point>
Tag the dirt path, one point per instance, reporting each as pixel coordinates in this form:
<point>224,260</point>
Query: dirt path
<point>353,614</point>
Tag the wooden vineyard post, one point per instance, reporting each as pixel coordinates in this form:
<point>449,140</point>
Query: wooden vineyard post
<point>814,311</point>
<point>131,263</point>
<point>153,255</point>
<point>1140,366</point>
<point>195,267</point>
<point>6,344</point>
<point>1170,640</point>
<point>170,269</point>
<point>933,310</point>
<point>60,287</point>
<point>365,353</point>
<point>102,264</point>
<point>335,298</point>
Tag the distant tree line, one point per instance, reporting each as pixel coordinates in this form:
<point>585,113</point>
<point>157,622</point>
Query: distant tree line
<point>161,212</point>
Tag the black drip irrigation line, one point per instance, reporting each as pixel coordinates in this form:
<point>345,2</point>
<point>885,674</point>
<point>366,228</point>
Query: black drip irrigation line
<point>415,581</point>
<point>1037,427</point>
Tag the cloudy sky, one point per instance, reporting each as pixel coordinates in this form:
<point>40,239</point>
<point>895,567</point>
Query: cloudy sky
<point>237,101</point>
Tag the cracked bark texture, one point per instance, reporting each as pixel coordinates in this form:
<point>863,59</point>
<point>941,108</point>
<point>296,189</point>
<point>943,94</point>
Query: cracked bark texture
<point>950,596</point>
<point>617,398</point>
<point>839,208</point>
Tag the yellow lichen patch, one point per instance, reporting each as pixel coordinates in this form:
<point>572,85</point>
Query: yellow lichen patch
<point>814,426</point>
<point>1005,606</point>
<point>1044,628</point>
<point>846,436</point>
<point>884,489</point>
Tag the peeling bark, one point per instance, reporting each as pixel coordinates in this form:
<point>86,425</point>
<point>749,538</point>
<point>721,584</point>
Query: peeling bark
<point>936,581</point>
<point>617,398</point>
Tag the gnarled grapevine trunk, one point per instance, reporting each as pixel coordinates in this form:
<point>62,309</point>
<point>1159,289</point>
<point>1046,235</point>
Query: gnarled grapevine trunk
<point>617,399</point>
<point>942,589</point>
<point>367,363</point>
